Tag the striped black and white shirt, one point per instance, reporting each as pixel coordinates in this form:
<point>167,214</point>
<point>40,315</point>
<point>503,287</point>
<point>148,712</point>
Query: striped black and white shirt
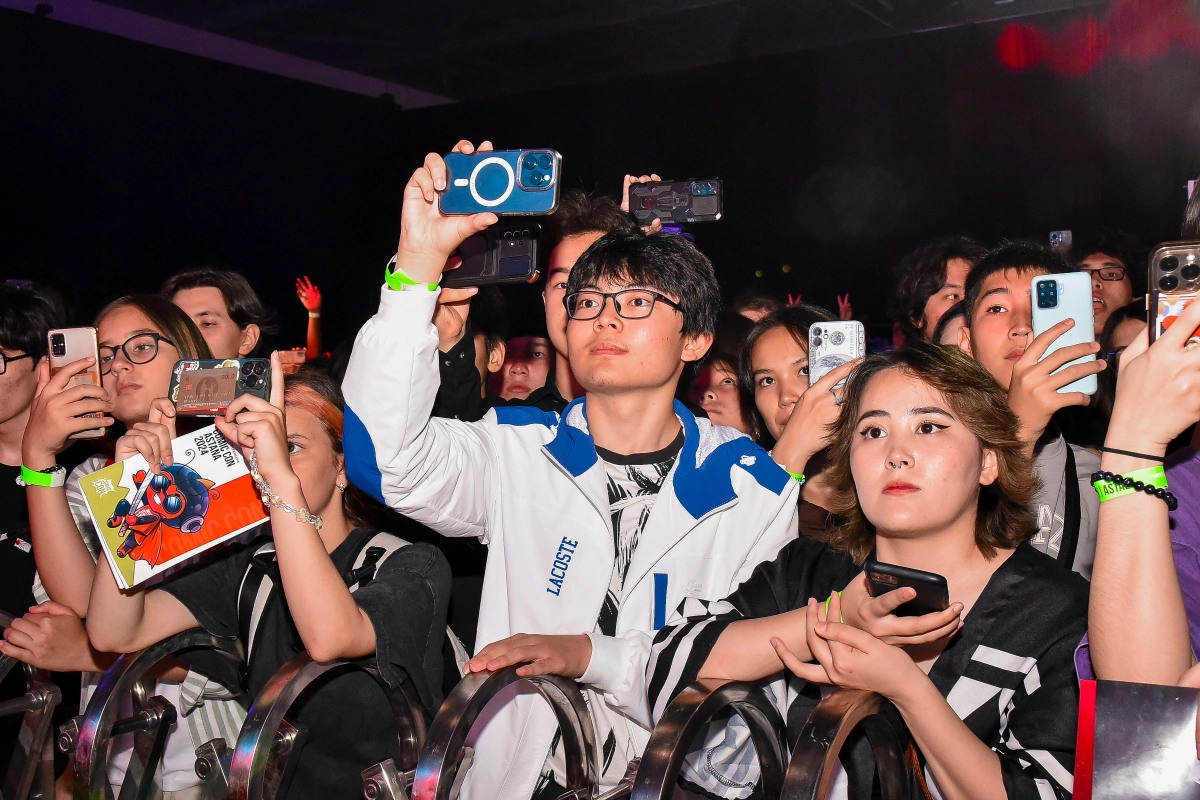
<point>1008,673</point>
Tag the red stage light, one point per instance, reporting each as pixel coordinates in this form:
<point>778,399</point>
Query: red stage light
<point>1079,47</point>
<point>1020,47</point>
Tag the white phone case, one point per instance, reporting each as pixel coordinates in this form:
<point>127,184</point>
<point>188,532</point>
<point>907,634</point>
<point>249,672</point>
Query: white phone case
<point>1075,302</point>
<point>831,344</point>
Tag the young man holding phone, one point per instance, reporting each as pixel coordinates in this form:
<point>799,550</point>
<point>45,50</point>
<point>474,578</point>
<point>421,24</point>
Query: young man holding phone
<point>651,506</point>
<point>999,335</point>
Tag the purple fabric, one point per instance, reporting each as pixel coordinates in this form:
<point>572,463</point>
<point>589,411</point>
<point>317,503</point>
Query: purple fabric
<point>1083,661</point>
<point>1183,473</point>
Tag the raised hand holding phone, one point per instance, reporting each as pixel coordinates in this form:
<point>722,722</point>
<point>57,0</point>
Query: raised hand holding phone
<point>428,238</point>
<point>60,411</point>
<point>258,427</point>
<point>1034,391</point>
<point>807,430</point>
<point>152,438</point>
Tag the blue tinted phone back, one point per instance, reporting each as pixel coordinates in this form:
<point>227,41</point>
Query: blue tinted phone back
<point>1073,299</point>
<point>501,181</point>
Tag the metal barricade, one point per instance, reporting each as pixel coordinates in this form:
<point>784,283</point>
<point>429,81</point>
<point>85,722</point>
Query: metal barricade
<point>812,765</point>
<point>690,712</point>
<point>151,720</point>
<point>443,752</point>
<point>32,759</point>
<point>263,759</point>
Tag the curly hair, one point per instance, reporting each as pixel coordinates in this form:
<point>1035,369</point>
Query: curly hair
<point>1003,518</point>
<point>577,213</point>
<point>921,273</point>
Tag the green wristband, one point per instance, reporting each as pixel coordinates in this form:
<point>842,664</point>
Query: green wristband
<point>799,476</point>
<point>51,478</point>
<point>398,281</point>
<point>827,599</point>
<point>1151,476</point>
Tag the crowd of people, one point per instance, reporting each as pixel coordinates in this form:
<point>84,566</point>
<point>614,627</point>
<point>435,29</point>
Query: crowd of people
<point>640,490</point>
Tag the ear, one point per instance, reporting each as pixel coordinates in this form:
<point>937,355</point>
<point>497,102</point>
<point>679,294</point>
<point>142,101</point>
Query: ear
<point>250,336</point>
<point>695,346</point>
<point>990,468</point>
<point>964,340</point>
<point>496,357</point>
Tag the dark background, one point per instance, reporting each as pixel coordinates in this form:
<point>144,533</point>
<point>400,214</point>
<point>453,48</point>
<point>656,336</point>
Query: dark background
<point>124,162</point>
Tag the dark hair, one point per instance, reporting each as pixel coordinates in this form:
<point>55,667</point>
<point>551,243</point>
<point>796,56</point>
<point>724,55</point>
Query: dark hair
<point>168,318</point>
<point>26,316</point>
<point>1120,246</point>
<point>489,316</point>
<point>667,263</point>
<point>1003,518</point>
<point>314,390</point>
<point>1191,214</point>
<point>756,300</point>
<point>240,299</point>
<point>797,319</point>
<point>1106,388</point>
<point>577,213</point>
<point>955,311</point>
<point>1022,256</point>
<point>728,334</point>
<point>921,273</point>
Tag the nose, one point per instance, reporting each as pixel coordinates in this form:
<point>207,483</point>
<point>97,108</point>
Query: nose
<point>898,456</point>
<point>791,390</point>
<point>1097,284</point>
<point>1022,324</point>
<point>609,318</point>
<point>519,368</point>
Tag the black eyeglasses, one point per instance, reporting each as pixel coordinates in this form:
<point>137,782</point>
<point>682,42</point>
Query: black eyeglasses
<point>1108,273</point>
<point>628,303</point>
<point>5,359</point>
<point>141,348</point>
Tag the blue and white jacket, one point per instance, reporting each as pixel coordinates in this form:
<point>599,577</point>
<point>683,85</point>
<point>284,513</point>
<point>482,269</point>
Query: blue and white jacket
<point>530,486</point>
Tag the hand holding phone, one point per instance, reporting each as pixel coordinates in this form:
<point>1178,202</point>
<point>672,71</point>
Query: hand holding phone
<point>932,591</point>
<point>1174,284</point>
<point>874,614</point>
<point>1061,297</point>
<point>428,238</point>
<point>67,347</point>
<point>504,253</point>
<point>676,201</point>
<point>60,411</point>
<point>207,387</point>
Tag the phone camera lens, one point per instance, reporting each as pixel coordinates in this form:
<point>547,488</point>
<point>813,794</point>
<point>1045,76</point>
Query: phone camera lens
<point>816,342</point>
<point>536,178</point>
<point>259,368</point>
<point>251,382</point>
<point>1190,272</point>
<point>58,344</point>
<point>530,162</point>
<point>1168,283</point>
<point>247,368</point>
<point>816,331</point>
<point>543,161</point>
<point>1168,264</point>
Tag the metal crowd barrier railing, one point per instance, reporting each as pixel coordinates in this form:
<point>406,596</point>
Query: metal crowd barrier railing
<point>31,765</point>
<point>430,765</point>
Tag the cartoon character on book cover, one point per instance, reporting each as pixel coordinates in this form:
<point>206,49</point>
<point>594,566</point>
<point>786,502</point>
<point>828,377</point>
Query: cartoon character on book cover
<point>171,510</point>
<point>148,521</point>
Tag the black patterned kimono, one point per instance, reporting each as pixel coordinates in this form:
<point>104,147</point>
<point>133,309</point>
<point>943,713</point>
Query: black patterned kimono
<point>1008,673</point>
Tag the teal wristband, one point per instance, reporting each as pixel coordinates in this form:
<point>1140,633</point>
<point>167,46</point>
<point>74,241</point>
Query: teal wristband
<point>799,476</point>
<point>398,281</point>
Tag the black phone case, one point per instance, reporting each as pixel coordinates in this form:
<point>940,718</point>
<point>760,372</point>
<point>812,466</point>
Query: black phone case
<point>677,201</point>
<point>507,252</point>
<point>253,377</point>
<point>932,592</point>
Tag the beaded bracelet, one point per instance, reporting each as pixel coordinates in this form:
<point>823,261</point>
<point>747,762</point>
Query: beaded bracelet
<point>269,497</point>
<point>1110,485</point>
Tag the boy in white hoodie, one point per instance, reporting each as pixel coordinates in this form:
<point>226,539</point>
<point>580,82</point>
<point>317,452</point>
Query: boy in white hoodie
<point>599,522</point>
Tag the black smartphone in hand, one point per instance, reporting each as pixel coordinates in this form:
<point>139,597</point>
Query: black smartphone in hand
<point>933,594</point>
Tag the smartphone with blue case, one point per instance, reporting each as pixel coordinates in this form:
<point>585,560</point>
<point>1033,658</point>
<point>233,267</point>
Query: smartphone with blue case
<point>501,181</point>
<point>1058,297</point>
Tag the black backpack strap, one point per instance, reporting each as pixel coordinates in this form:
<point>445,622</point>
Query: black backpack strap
<point>365,567</point>
<point>260,580</point>
<point>1071,514</point>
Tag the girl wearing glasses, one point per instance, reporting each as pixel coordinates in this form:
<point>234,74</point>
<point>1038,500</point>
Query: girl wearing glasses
<point>141,337</point>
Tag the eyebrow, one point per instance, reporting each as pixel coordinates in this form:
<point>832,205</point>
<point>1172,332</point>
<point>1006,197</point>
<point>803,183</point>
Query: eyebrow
<point>556,270</point>
<point>914,411</point>
<point>802,359</point>
<point>990,292</point>
<point>138,332</point>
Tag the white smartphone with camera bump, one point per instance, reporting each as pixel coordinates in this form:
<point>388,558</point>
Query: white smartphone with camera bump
<point>68,345</point>
<point>1059,297</point>
<point>831,344</point>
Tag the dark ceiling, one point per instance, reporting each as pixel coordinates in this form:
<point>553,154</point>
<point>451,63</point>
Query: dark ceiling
<point>463,49</point>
